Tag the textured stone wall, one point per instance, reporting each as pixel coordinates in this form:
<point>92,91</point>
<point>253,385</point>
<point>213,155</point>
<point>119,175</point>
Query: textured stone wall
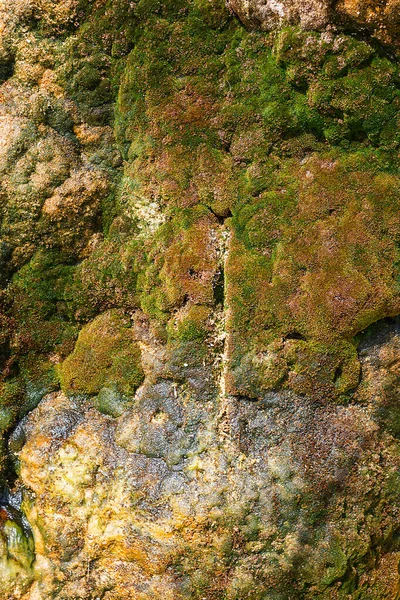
<point>376,18</point>
<point>199,331</point>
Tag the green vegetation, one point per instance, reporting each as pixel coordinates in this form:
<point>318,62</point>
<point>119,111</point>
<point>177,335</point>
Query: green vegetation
<point>105,355</point>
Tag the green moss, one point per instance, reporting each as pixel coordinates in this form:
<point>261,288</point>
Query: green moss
<point>108,277</point>
<point>180,265</point>
<point>105,355</point>
<point>39,306</point>
<point>39,377</point>
<point>190,324</point>
<point>41,284</point>
<point>310,262</point>
<point>235,147</point>
<point>227,147</point>
<point>110,402</point>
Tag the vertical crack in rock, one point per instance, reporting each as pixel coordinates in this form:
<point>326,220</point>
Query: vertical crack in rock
<point>222,308</point>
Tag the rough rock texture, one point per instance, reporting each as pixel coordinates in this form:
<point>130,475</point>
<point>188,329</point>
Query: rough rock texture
<point>379,18</point>
<point>199,331</point>
<point>187,497</point>
<point>269,14</point>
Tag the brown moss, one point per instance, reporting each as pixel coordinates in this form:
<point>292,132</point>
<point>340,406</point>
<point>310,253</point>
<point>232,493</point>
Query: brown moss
<point>326,272</point>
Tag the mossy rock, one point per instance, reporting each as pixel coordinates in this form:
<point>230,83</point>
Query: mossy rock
<point>309,267</point>
<point>106,355</point>
<point>16,553</point>
<point>190,324</point>
<point>110,402</point>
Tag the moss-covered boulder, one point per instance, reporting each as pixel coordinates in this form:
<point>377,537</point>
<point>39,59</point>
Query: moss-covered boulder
<point>105,354</point>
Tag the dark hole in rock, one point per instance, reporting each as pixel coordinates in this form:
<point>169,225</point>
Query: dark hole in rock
<point>185,300</point>
<point>219,287</point>
<point>294,335</point>
<point>221,216</point>
<point>378,333</point>
<point>6,70</point>
<point>301,85</point>
<point>338,373</point>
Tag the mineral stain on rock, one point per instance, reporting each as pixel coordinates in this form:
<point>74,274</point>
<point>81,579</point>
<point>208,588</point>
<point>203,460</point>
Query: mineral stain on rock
<point>199,300</point>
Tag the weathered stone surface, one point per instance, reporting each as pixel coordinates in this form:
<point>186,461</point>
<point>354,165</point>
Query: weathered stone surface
<point>270,14</point>
<point>180,497</point>
<point>381,19</point>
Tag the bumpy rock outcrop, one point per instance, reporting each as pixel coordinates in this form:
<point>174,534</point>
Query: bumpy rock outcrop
<point>199,343</point>
<point>374,17</point>
<point>189,496</point>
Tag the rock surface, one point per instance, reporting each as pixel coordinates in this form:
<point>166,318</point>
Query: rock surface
<point>199,331</point>
<point>180,496</point>
<point>371,17</point>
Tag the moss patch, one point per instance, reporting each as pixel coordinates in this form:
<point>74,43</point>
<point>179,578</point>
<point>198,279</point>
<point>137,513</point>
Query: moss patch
<point>105,355</point>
